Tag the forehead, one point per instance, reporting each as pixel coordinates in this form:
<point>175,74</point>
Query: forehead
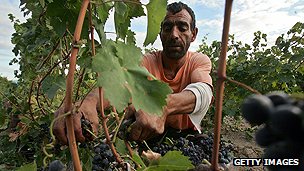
<point>183,15</point>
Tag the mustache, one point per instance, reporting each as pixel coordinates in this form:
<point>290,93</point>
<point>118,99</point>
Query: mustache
<point>173,43</point>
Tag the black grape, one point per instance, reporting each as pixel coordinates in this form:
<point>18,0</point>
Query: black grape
<point>265,136</point>
<point>283,129</point>
<point>256,109</point>
<point>196,148</point>
<point>56,165</point>
<point>287,121</point>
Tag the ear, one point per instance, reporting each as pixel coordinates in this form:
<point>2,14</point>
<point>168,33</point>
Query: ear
<point>194,34</point>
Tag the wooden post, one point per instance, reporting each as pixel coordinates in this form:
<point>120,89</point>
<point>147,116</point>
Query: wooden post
<point>220,84</point>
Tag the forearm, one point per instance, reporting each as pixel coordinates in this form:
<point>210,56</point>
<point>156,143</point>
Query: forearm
<point>180,103</point>
<point>195,98</point>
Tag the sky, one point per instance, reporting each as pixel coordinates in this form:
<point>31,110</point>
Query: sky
<point>273,17</point>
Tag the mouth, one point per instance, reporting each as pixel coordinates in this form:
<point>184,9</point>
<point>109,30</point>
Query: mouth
<point>174,46</point>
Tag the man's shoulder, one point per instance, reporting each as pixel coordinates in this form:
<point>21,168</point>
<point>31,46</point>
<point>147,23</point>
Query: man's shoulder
<point>198,56</point>
<point>152,56</point>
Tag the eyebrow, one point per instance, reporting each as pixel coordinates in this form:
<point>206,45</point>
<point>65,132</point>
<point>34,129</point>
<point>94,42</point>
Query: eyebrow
<point>170,23</point>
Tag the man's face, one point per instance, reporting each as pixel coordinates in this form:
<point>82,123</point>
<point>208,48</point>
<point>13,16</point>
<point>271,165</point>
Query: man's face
<point>176,34</point>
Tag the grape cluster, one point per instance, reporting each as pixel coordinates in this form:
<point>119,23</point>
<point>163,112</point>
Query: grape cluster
<point>56,165</point>
<point>281,126</point>
<point>103,159</point>
<point>197,148</point>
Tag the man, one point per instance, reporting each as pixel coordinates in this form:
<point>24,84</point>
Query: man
<point>187,73</point>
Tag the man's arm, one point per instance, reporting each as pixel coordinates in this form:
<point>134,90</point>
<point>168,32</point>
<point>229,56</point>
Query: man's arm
<point>87,110</point>
<point>185,101</point>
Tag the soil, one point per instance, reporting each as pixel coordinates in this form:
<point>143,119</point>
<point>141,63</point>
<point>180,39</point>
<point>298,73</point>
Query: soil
<point>241,135</point>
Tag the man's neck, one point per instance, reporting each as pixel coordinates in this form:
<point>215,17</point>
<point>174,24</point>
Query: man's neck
<point>173,64</point>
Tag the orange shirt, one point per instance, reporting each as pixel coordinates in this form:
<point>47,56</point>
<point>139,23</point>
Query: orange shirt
<point>194,61</point>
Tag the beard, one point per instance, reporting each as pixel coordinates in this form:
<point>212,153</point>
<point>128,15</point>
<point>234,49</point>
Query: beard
<point>173,50</point>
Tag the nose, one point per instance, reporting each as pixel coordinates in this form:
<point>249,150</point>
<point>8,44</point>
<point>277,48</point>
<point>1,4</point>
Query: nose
<point>175,33</point>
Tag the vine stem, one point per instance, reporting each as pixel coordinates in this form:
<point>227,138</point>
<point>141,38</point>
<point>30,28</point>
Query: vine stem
<point>104,125</point>
<point>100,92</point>
<point>220,85</point>
<point>245,86</point>
<point>43,78</point>
<point>69,87</point>
<point>242,85</point>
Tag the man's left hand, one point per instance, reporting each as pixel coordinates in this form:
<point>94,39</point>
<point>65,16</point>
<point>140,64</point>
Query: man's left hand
<point>146,126</point>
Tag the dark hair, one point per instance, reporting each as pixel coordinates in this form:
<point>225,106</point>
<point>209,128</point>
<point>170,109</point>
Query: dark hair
<point>176,7</point>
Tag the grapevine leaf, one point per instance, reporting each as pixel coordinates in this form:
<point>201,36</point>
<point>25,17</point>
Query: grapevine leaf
<point>123,79</point>
<point>99,27</point>
<point>106,63</point>
<point>103,11</point>
<point>63,15</point>
<point>123,14</point>
<point>121,147</point>
<point>131,37</point>
<point>138,160</point>
<point>27,167</point>
<point>52,84</point>
<point>173,160</point>
<point>136,9</point>
<point>156,11</point>
<point>122,21</point>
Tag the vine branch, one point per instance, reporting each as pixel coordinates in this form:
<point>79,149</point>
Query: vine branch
<point>69,87</point>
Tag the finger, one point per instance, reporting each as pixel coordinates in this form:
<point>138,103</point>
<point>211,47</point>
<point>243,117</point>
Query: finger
<point>135,132</point>
<point>145,134</point>
<point>130,111</point>
<point>59,131</point>
<point>77,127</point>
<point>94,126</point>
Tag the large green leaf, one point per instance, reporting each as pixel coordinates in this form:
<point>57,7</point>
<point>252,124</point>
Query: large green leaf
<point>63,14</point>
<point>124,12</point>
<point>52,84</point>
<point>156,11</point>
<point>103,11</point>
<point>171,161</point>
<point>123,79</point>
<point>28,167</point>
<point>121,147</point>
<point>135,9</point>
<point>122,21</point>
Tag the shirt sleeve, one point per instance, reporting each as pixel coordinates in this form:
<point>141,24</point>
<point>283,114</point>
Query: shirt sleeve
<point>203,95</point>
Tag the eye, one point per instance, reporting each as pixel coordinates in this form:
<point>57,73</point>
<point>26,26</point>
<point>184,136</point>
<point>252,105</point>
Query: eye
<point>182,28</point>
<point>167,28</point>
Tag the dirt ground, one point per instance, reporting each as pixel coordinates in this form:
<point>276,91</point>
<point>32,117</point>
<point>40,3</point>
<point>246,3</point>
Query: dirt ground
<point>241,135</point>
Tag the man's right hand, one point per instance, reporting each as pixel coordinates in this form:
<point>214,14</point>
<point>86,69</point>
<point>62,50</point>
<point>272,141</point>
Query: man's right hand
<point>87,111</point>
